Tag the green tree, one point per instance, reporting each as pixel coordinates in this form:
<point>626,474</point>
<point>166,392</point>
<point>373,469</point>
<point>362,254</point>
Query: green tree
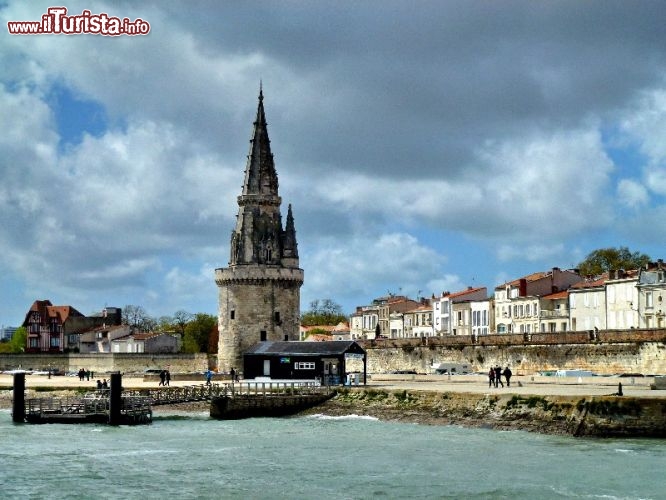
<point>198,332</point>
<point>17,343</point>
<point>323,312</point>
<point>608,259</point>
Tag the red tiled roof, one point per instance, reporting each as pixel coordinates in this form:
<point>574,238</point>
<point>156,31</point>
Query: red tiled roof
<point>48,310</point>
<point>591,283</point>
<point>466,292</point>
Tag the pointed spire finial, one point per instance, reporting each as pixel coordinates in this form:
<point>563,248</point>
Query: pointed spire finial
<point>261,91</point>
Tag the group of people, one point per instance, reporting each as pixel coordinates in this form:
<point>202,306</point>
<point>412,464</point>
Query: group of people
<point>165,377</point>
<point>84,374</point>
<point>234,375</point>
<point>102,385</point>
<point>495,376</point>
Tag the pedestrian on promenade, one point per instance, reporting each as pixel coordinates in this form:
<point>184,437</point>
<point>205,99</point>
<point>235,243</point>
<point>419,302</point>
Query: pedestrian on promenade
<point>507,376</point>
<point>167,377</point>
<point>162,377</point>
<point>491,377</point>
<point>233,374</point>
<point>498,376</point>
<point>209,376</point>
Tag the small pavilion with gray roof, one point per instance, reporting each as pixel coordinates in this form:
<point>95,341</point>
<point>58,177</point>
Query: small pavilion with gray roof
<point>326,361</point>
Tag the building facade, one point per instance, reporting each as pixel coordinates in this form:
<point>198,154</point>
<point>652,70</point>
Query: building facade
<point>259,292</point>
<point>651,295</point>
<point>58,328</point>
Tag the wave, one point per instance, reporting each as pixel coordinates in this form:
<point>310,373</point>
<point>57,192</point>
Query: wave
<point>163,417</point>
<point>353,416</point>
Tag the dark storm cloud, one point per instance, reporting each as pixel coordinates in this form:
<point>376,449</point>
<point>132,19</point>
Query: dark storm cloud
<point>411,88</point>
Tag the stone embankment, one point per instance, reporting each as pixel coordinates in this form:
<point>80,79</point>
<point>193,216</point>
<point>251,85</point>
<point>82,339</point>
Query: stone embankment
<point>600,416</point>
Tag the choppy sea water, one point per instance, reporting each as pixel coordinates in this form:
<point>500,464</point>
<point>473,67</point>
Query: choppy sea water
<point>189,456</point>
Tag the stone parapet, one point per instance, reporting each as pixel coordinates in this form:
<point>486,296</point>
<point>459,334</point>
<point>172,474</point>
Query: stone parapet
<point>258,275</point>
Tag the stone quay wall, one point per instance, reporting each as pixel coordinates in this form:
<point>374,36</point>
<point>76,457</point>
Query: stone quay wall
<point>604,353</point>
<point>106,362</point>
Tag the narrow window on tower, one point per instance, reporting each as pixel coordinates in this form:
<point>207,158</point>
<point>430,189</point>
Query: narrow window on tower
<point>262,335</point>
<point>232,314</point>
<point>277,317</point>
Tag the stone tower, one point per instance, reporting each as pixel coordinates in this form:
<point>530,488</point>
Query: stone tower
<point>259,293</point>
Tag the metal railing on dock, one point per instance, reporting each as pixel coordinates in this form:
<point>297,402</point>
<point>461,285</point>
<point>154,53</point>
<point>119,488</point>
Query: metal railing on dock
<point>205,392</point>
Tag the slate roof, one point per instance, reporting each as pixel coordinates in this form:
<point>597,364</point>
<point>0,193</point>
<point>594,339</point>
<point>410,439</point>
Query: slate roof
<point>332,348</point>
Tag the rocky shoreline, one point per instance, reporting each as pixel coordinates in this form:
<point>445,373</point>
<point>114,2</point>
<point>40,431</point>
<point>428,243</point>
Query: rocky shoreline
<point>606,416</point>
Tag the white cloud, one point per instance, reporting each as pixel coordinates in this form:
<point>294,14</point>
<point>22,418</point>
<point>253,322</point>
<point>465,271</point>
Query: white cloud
<point>645,123</point>
<point>632,194</point>
<point>367,265</point>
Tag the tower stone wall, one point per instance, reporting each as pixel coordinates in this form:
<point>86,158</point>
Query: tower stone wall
<point>259,292</point>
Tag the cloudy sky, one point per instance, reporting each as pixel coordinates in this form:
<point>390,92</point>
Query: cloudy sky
<point>425,146</point>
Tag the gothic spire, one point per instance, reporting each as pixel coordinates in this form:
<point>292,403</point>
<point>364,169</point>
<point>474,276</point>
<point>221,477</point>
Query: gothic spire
<point>260,175</point>
<point>289,240</point>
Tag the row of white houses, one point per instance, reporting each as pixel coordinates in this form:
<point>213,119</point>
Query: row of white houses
<point>551,301</point>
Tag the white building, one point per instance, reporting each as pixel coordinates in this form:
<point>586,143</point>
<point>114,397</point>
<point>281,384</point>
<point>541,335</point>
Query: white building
<point>553,312</point>
<point>444,322</point>
<point>652,296</point>
<point>482,316</point>
<point>587,305</point>
<point>622,300</point>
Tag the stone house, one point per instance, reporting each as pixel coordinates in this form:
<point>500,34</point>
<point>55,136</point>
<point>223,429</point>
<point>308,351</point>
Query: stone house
<point>149,343</point>
<point>483,317</point>
<point>554,312</point>
<point>652,296</point>
<point>526,291</point>
<point>57,328</point>
<point>99,339</point>
<point>363,323</point>
<point>444,319</point>
<point>622,300</point>
<point>587,304</point>
<point>418,321</point>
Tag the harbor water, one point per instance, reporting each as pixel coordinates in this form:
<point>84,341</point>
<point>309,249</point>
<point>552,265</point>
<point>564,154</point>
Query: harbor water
<point>190,456</point>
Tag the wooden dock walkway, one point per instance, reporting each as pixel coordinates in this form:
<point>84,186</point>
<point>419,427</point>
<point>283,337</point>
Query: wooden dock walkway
<point>136,404</point>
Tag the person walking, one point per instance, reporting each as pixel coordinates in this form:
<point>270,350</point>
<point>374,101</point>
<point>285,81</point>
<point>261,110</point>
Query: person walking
<point>498,376</point>
<point>491,377</point>
<point>162,377</point>
<point>209,376</point>
<point>167,377</point>
<point>507,376</point>
<point>233,374</point>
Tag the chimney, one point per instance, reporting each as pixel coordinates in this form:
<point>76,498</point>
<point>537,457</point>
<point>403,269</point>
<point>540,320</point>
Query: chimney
<point>522,287</point>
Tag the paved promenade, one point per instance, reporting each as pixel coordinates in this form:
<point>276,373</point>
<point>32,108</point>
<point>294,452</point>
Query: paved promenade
<point>523,385</point>
<point>478,384</point>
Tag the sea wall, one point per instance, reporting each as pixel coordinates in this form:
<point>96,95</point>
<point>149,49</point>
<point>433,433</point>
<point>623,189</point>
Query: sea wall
<point>600,416</point>
<point>627,352</point>
<point>105,363</point>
